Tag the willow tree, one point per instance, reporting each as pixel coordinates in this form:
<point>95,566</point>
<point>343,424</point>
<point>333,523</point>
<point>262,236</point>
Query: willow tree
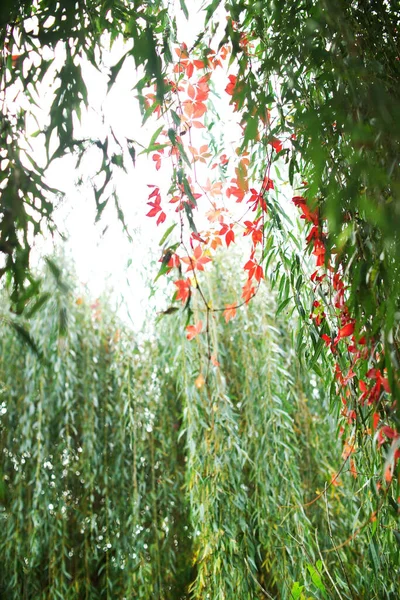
<point>91,461</point>
<point>133,469</point>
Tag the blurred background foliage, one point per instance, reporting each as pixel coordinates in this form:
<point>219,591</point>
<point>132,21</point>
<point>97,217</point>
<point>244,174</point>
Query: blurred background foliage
<point>125,476</point>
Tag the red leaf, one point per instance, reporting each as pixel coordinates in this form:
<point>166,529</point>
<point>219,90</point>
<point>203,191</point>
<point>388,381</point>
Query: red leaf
<point>199,110</point>
<point>375,420</point>
<point>326,339</point>
<point>189,70</point>
<point>161,218</point>
<point>214,360</point>
<point>346,331</point>
<point>390,433</point>
<point>268,184</point>
<point>276,144</point>
<point>157,160</point>
<point>174,261</point>
<point>231,85</point>
<point>197,261</point>
<point>230,237</point>
<point>230,312</point>
<point>298,200</point>
<point>248,291</point>
<point>183,292</point>
<point>153,211</point>
<point>194,330</point>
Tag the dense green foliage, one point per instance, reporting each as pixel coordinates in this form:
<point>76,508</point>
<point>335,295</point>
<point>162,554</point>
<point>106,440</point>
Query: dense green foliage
<point>204,466</point>
<point>125,476</point>
<point>92,465</point>
<point>338,67</point>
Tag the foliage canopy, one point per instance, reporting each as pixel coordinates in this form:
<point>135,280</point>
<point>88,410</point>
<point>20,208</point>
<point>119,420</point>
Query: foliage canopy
<point>314,86</point>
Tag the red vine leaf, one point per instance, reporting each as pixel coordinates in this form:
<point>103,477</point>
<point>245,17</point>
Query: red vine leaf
<point>248,291</point>
<point>183,292</point>
<point>194,330</point>
<point>197,261</point>
<point>230,312</point>
<point>276,144</point>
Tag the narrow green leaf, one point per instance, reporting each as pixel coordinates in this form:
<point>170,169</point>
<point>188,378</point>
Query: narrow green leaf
<point>283,305</point>
<point>26,338</point>
<point>38,304</point>
<point>184,8</point>
<point>166,234</point>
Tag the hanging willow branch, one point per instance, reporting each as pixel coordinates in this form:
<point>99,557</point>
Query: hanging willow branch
<point>126,474</point>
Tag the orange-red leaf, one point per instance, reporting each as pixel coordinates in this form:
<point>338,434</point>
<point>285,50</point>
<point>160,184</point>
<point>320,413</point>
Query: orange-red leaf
<point>231,85</point>
<point>197,261</point>
<point>194,330</point>
<point>230,312</point>
<point>183,292</point>
<point>230,237</point>
<point>353,469</point>
<point>248,291</point>
<point>214,361</point>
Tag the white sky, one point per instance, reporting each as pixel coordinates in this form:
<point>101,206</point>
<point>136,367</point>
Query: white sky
<point>101,251</point>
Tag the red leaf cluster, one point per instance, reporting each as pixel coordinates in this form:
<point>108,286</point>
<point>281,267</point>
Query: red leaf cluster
<point>185,64</point>
<point>156,206</point>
